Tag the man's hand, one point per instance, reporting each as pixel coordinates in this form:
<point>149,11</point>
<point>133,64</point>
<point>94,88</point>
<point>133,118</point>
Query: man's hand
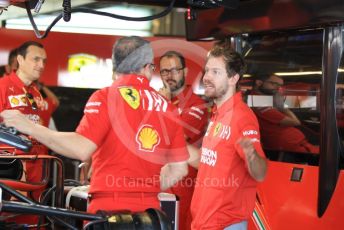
<point>166,91</point>
<point>278,101</point>
<point>171,173</point>
<point>256,164</point>
<point>248,148</point>
<point>14,118</point>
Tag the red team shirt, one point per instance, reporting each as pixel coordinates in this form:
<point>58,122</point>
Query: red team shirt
<point>193,112</point>
<point>50,107</point>
<point>13,96</point>
<point>225,192</point>
<point>194,118</point>
<point>136,132</point>
<point>279,137</point>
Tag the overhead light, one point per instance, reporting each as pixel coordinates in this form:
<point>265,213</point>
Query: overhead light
<point>83,23</point>
<point>4,3</point>
<point>297,73</point>
<point>300,73</point>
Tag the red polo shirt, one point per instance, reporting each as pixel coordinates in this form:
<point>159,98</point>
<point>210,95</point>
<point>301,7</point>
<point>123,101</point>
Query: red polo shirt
<point>225,192</point>
<point>50,106</point>
<point>13,96</point>
<point>194,119</point>
<point>276,136</point>
<point>136,132</point>
<point>193,111</point>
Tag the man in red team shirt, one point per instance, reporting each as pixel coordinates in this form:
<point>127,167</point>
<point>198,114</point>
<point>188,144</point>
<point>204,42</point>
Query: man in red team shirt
<point>231,160</point>
<point>194,118</point>
<point>278,123</point>
<point>18,91</point>
<point>128,129</point>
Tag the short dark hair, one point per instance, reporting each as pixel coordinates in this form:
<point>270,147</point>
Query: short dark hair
<point>235,64</point>
<point>22,49</point>
<point>2,70</point>
<point>12,55</point>
<point>176,54</point>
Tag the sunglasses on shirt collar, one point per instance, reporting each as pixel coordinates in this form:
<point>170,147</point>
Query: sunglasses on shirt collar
<point>30,98</point>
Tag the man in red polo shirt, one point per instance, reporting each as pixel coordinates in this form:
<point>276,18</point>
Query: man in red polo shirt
<point>18,91</point>
<point>278,123</point>
<point>231,160</point>
<point>128,129</point>
<point>194,118</point>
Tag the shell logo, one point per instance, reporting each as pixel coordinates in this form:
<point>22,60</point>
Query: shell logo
<point>15,101</point>
<point>147,138</point>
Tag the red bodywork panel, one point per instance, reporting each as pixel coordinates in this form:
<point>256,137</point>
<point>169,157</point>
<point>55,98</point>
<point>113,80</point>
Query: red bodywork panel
<point>286,204</point>
<point>13,2</point>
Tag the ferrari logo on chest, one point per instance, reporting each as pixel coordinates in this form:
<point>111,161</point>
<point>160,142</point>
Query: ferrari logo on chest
<point>217,129</point>
<point>131,96</point>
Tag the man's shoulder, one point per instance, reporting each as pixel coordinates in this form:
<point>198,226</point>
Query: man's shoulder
<point>5,84</point>
<point>99,94</point>
<point>4,80</point>
<point>193,98</point>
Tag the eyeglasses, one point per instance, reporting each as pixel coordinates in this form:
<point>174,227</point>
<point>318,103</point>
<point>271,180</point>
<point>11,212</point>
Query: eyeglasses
<point>276,84</point>
<point>173,71</point>
<point>151,66</point>
<point>32,101</point>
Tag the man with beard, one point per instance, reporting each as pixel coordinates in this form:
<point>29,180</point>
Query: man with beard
<point>278,123</point>
<point>194,118</point>
<point>232,160</point>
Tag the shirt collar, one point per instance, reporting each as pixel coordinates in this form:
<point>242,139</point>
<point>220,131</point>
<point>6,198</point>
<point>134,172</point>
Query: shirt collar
<point>16,80</point>
<point>132,79</point>
<point>182,96</point>
<point>227,105</point>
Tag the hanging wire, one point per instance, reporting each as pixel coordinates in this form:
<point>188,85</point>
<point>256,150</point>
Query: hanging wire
<point>91,11</point>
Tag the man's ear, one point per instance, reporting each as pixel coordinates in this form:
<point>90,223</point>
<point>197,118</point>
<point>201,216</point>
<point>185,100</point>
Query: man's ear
<point>234,79</point>
<point>20,59</point>
<point>144,70</point>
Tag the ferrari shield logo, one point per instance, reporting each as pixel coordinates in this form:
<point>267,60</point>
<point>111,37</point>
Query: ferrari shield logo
<point>131,96</point>
<point>217,129</point>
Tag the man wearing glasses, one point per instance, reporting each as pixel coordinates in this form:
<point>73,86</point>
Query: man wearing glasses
<point>129,130</point>
<point>279,124</point>
<point>194,118</point>
<point>19,91</point>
